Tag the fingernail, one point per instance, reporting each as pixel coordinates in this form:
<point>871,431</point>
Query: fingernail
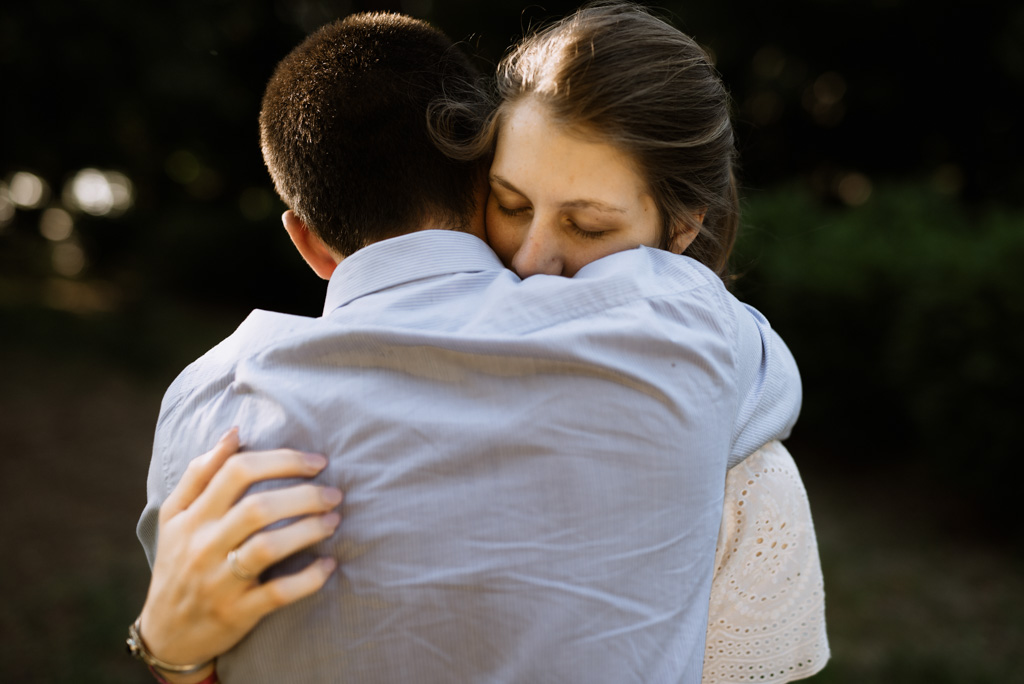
<point>315,461</point>
<point>328,565</point>
<point>331,496</point>
<point>330,521</point>
<point>227,435</point>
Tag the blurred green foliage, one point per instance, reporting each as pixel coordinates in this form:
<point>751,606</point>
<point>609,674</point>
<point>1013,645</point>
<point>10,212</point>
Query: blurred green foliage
<point>906,315</point>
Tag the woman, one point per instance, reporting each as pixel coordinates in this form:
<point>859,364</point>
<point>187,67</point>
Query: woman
<point>598,147</point>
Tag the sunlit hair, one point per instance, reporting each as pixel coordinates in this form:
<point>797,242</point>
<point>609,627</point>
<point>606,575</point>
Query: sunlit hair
<point>344,133</point>
<point>613,72</point>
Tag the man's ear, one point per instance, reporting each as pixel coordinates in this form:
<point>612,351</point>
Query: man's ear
<point>319,256</point>
<point>684,232</point>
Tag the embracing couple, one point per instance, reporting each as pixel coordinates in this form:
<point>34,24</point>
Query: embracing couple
<point>533,437</point>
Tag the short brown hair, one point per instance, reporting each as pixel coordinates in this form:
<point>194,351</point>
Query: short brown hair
<point>344,133</point>
<point>614,71</point>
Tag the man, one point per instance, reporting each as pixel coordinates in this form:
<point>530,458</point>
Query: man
<point>533,471</point>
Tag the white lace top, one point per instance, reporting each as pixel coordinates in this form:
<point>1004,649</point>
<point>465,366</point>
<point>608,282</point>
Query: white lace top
<point>767,617</point>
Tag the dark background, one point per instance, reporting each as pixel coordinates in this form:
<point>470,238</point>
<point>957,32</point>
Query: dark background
<point>883,236</point>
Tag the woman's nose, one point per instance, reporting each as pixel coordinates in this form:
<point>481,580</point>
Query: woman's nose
<point>539,253</point>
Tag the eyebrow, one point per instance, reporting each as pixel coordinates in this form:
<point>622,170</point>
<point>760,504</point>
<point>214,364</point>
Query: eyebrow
<point>571,204</point>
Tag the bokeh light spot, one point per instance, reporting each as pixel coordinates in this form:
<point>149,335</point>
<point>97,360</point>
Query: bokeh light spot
<point>183,167</point>
<point>207,185</point>
<point>256,204</point>
<point>769,62</point>
<point>100,193</point>
<point>854,189</point>
<point>68,259</point>
<point>764,108</point>
<point>6,206</point>
<point>948,179</point>
<point>27,190</point>
<point>56,224</point>
<point>829,88</point>
<point>80,297</point>
<point>122,190</point>
<point>200,181</point>
<point>824,99</point>
<point>92,192</point>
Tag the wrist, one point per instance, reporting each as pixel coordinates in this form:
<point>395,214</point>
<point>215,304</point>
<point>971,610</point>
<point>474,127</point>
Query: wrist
<point>193,673</point>
<point>207,675</point>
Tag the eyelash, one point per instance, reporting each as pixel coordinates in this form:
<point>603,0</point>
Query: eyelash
<point>512,212</point>
<point>585,234</point>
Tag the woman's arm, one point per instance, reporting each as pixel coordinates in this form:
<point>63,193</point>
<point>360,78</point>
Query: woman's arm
<point>766,616</point>
<point>201,603</point>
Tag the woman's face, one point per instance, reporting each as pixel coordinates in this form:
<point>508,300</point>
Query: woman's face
<point>559,201</point>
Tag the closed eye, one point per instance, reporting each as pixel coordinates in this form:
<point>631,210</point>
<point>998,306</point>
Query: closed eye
<point>512,212</point>
<point>586,234</point>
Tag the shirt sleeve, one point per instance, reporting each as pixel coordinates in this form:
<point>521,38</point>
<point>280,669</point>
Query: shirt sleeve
<point>767,609</point>
<point>768,382</point>
<point>198,408</point>
<point>156,486</point>
<point>188,421</point>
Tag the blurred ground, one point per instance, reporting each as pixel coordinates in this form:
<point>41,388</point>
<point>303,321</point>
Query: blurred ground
<point>909,600</point>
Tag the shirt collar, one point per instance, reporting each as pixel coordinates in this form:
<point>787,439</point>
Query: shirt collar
<point>403,259</point>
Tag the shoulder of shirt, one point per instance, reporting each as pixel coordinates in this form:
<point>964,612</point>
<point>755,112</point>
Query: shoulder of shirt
<point>678,272</point>
<point>657,274</point>
<point>657,271</point>
<point>260,330</point>
<point>681,281</point>
<point>677,287</point>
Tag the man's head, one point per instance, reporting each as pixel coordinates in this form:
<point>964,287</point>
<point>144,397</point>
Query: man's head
<point>344,132</point>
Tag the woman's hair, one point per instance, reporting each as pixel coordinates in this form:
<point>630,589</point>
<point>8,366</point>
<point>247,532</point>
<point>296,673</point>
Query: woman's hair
<point>613,71</point>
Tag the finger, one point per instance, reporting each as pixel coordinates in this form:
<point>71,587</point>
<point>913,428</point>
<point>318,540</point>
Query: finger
<point>198,475</point>
<point>245,469</point>
<point>254,512</point>
<point>266,548</point>
<point>282,591</point>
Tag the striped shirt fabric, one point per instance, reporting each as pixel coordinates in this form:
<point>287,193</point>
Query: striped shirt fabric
<point>533,469</point>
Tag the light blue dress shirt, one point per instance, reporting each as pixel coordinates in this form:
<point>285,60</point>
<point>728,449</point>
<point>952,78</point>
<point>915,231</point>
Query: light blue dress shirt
<point>534,470</point>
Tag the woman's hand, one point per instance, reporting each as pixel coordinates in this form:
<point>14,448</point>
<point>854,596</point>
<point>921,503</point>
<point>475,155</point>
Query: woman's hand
<point>199,603</point>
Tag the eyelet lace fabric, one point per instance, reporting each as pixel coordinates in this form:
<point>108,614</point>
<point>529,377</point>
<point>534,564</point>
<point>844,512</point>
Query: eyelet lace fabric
<point>767,612</point>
